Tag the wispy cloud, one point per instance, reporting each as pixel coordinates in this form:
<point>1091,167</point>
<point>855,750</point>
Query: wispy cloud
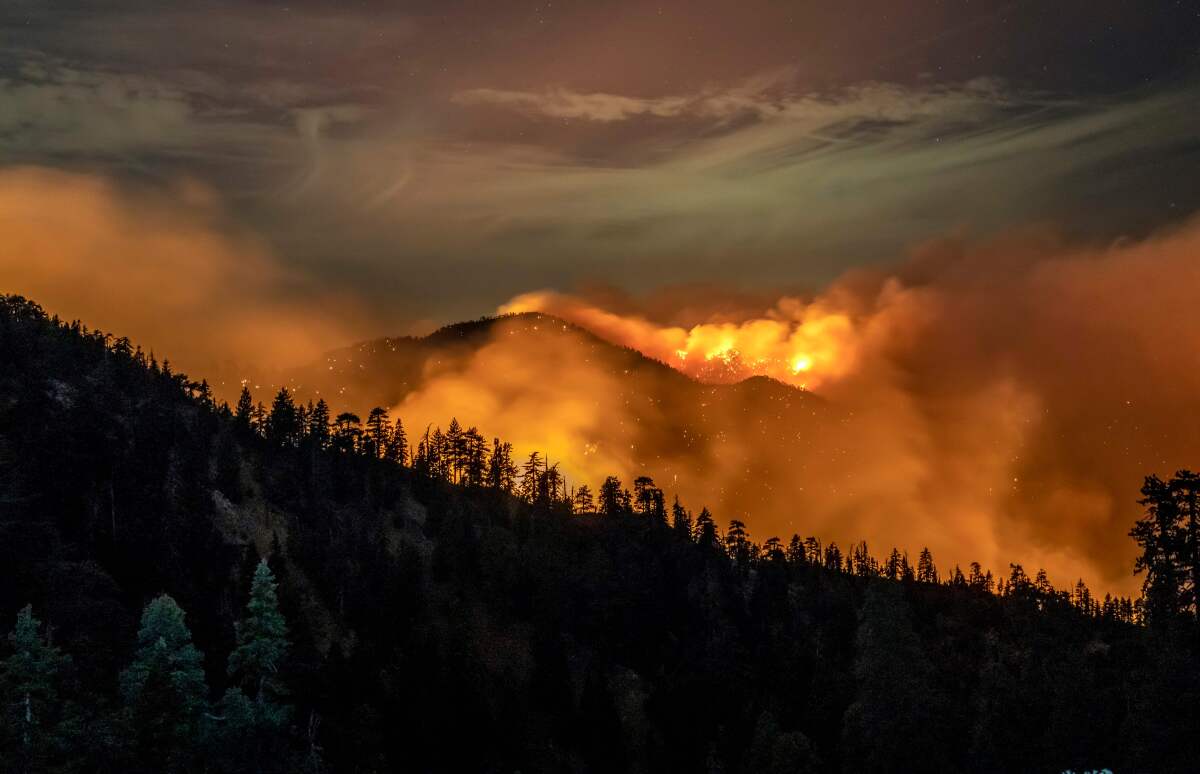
<point>811,169</point>
<point>769,96</point>
<point>754,181</point>
<point>562,103</point>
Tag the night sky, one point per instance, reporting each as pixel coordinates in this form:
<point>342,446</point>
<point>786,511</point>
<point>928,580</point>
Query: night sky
<point>429,161</point>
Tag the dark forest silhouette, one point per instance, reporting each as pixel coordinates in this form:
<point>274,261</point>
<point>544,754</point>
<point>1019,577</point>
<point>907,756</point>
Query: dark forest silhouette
<point>199,587</point>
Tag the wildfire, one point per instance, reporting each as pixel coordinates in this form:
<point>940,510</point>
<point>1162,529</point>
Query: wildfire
<point>799,344</point>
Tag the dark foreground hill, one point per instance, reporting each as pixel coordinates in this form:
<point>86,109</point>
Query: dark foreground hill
<point>483,625</point>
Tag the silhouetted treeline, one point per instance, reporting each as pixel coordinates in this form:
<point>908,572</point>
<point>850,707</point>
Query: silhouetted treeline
<point>197,587</point>
<point>465,458</point>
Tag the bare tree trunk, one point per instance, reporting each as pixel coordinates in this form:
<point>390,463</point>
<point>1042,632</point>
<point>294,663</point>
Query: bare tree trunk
<point>314,750</point>
<point>28,720</point>
<point>112,509</point>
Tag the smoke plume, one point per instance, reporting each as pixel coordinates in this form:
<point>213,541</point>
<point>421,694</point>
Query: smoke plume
<point>167,270</point>
<point>996,402</point>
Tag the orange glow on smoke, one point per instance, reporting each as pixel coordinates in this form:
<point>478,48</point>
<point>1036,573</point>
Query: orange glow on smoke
<point>804,345</point>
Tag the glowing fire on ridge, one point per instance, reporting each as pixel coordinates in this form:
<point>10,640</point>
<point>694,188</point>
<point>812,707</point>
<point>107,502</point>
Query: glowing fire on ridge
<point>796,343</point>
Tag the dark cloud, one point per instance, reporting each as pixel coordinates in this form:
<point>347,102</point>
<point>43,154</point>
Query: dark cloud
<point>568,143</point>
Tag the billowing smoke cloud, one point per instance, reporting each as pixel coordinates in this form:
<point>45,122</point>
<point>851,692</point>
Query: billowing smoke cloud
<point>996,403</point>
<point>554,399</point>
<point>165,269</point>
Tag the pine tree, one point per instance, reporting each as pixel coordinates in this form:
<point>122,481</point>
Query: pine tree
<point>864,564</point>
<point>891,568</point>
<point>612,501</point>
<point>976,579</point>
<point>455,451</point>
<point>203,394</point>
<point>475,462</point>
<point>244,411</point>
<point>531,472</point>
<point>582,501</point>
<point>643,494</point>
<point>833,558</point>
<point>926,570</point>
<point>396,449</point>
<point>378,431</point>
<point>737,544</point>
<point>283,423</point>
<point>347,432</point>
<point>318,424</point>
<point>261,640</point>
<point>1168,535</point>
<point>502,473</point>
<point>795,551</point>
<point>438,455</point>
<point>681,519</point>
<point>706,529</point>
<point>29,697</point>
<point>1185,487</point>
<point>163,689</point>
<point>253,712</point>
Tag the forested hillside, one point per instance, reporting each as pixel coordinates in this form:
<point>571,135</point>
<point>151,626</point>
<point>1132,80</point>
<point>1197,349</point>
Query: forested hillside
<point>188,587</point>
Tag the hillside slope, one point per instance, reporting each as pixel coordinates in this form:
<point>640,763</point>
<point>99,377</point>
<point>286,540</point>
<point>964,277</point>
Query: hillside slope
<point>436,627</point>
<point>759,447</point>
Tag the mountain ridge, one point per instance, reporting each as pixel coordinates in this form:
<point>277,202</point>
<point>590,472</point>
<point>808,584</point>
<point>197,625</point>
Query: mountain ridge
<point>477,332</point>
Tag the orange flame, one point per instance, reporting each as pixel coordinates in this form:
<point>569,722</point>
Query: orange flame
<point>804,345</point>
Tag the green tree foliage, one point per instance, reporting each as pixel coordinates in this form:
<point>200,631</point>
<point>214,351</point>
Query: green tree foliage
<point>32,736</point>
<point>261,641</point>
<point>254,715</point>
<point>163,690</point>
